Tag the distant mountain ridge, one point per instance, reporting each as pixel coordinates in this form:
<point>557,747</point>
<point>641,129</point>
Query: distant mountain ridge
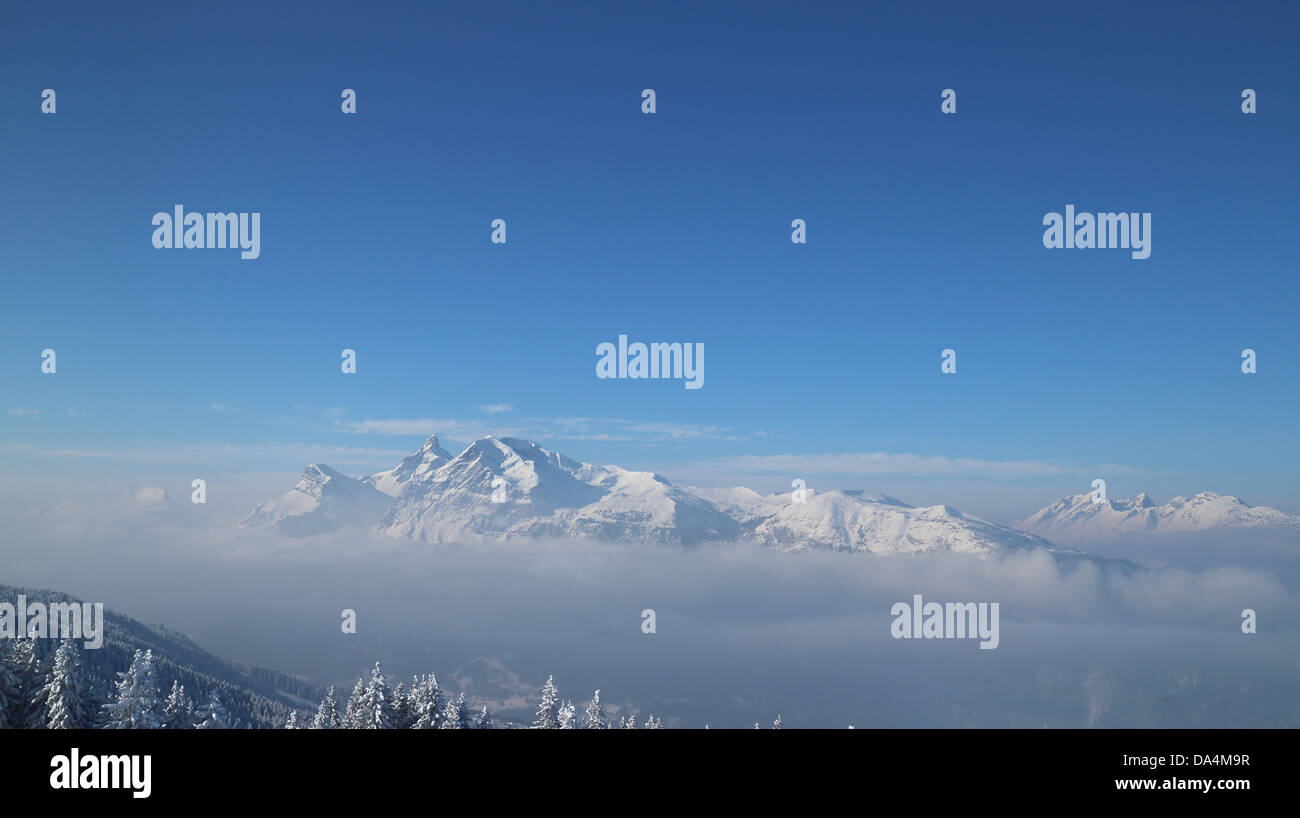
<point>503,489</point>
<point>1077,519</point>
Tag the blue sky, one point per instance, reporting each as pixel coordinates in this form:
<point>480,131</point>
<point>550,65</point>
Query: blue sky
<point>924,233</point>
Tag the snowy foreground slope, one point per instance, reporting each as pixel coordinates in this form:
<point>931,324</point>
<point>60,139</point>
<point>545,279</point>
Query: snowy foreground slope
<point>1078,519</point>
<point>499,489</point>
<point>252,696</point>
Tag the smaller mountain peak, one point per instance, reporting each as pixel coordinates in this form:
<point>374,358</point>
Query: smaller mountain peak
<point>486,446</point>
<point>433,446</point>
<point>149,497</point>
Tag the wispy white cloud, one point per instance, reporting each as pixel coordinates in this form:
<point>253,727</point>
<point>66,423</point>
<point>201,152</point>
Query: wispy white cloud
<point>224,453</point>
<point>495,408</point>
<point>545,428</point>
<point>24,412</point>
<point>901,464</point>
<point>447,427</point>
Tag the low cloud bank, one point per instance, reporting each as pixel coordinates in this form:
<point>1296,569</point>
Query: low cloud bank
<point>742,633</point>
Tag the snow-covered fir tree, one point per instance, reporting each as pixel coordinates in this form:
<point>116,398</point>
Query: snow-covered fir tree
<point>374,709</point>
<point>421,705</point>
<point>292,722</point>
<point>454,715</point>
<point>212,716</point>
<point>430,706</point>
<point>26,665</point>
<point>595,718</point>
<point>178,710</point>
<point>568,716</point>
<point>10,689</point>
<point>136,704</point>
<point>548,713</point>
<point>629,722</point>
<point>484,721</point>
<point>353,719</point>
<point>436,700</point>
<point>776,725</point>
<point>652,723</point>
<point>63,702</point>
<point>327,715</point>
<point>466,716</point>
<point>401,708</point>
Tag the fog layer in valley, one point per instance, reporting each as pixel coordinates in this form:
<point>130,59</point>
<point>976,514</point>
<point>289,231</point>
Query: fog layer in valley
<point>742,634</point>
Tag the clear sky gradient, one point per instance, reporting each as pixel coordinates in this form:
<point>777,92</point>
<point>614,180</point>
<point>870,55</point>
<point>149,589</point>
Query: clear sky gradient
<point>924,233</point>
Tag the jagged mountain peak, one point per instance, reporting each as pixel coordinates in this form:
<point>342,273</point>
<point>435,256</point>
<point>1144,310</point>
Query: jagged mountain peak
<point>415,468</point>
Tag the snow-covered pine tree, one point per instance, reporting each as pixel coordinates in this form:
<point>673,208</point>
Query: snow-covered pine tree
<point>178,710</point>
<point>453,715</point>
<point>327,715</point>
<point>548,713</point>
<point>776,725</point>
<point>212,716</point>
<point>136,704</point>
<point>292,722</point>
<point>374,710</point>
<point>437,702</point>
<point>568,716</point>
<point>10,689</point>
<point>422,717</point>
<point>466,717</point>
<point>652,723</point>
<point>629,722</point>
<point>401,709</point>
<point>484,721</point>
<point>352,712</point>
<point>62,703</point>
<point>595,718</point>
<point>26,665</point>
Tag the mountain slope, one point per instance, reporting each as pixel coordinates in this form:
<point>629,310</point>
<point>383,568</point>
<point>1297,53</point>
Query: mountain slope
<point>254,697</point>
<point>323,500</point>
<point>852,521</point>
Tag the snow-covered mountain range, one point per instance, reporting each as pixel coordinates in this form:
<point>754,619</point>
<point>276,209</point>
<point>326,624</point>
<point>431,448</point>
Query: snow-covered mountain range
<point>500,489</point>
<point>1078,519</point>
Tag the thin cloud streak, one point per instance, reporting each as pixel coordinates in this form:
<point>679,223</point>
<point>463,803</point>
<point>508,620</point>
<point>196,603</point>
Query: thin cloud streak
<point>898,464</point>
